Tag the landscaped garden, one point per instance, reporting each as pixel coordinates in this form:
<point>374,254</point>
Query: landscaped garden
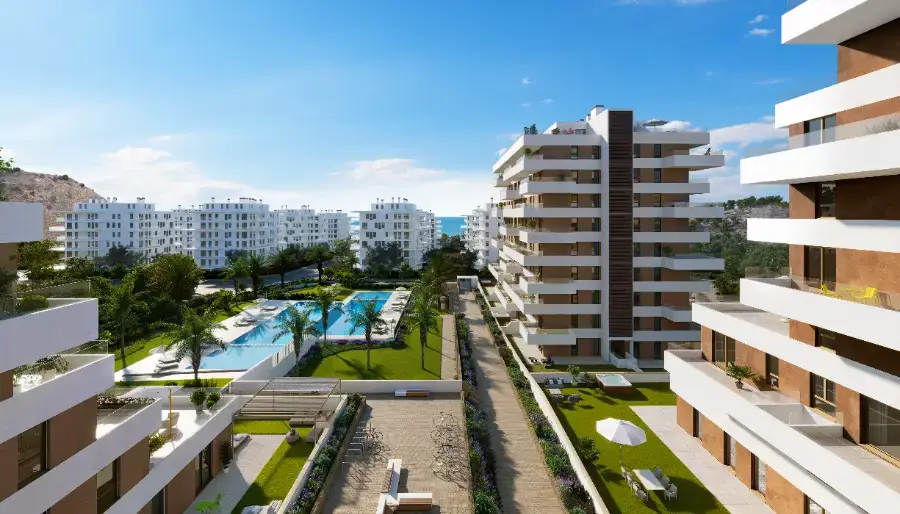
<point>261,426</point>
<point>277,477</point>
<point>580,420</point>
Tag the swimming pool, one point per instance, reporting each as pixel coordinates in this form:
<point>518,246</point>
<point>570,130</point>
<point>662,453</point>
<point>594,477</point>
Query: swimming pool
<point>259,342</point>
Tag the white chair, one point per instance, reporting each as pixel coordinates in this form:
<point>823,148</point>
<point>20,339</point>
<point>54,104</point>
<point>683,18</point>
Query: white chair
<point>671,493</point>
<point>640,493</point>
<point>657,472</point>
<point>665,481</point>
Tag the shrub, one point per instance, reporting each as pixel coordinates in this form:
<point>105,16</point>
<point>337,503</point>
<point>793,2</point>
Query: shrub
<point>558,462</point>
<point>505,354</point>
<point>227,453</point>
<point>198,397</point>
<point>484,503</point>
<point>156,442</point>
<point>587,449</point>
<point>32,302</point>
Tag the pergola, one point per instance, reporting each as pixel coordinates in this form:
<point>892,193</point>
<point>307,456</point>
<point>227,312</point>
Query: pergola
<point>301,400</point>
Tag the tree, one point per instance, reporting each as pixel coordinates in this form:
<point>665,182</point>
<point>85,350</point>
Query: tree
<point>255,268</point>
<point>235,271</point>
<point>175,274</point>
<point>326,301</point>
<point>319,254</point>
<point>343,253</point>
<point>281,262</point>
<point>233,255</point>
<point>223,301</point>
<point>300,325</point>
<point>370,319</point>
<point>119,255</point>
<point>123,308</point>
<point>38,259</point>
<point>351,278</point>
<point>424,316</point>
<point>8,280</point>
<point>383,260</point>
<point>406,271</point>
<point>5,167</point>
<point>195,334</point>
<point>80,269</point>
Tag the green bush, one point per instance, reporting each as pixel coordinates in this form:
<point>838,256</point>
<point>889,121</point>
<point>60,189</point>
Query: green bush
<point>484,503</point>
<point>212,399</point>
<point>156,442</point>
<point>559,464</point>
<point>198,397</point>
<point>588,449</point>
<point>227,453</point>
<point>32,302</point>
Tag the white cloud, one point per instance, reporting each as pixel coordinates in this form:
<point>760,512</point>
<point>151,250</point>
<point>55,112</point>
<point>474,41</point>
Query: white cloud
<point>756,31</point>
<point>170,138</point>
<point>770,82</point>
<point>527,81</point>
<point>526,105</point>
<point>680,125</point>
<point>746,134</point>
<point>547,101</point>
<point>759,18</point>
<point>727,186</point>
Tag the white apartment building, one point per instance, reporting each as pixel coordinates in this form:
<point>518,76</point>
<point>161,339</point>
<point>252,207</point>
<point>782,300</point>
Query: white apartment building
<point>819,429</point>
<point>399,221</point>
<point>305,227</point>
<point>61,450</point>
<point>479,229</point>
<point>91,228</point>
<point>210,231</point>
<point>594,246</point>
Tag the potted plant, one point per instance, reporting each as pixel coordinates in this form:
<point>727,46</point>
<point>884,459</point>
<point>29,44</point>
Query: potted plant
<point>739,373</point>
<point>212,399</point>
<point>227,453</point>
<point>198,397</point>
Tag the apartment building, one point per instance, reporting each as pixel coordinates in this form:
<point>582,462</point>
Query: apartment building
<point>305,227</point>
<point>397,220</point>
<point>335,226</point>
<point>91,228</point>
<point>62,449</point>
<point>210,232</point>
<point>594,263</point>
<point>818,430</point>
<point>479,229</point>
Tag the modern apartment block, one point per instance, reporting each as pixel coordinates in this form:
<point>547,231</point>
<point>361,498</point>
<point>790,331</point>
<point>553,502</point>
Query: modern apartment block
<point>398,220</point>
<point>594,263</point>
<point>91,228</point>
<point>819,429</point>
<point>209,232</point>
<point>305,227</point>
<point>479,229</point>
<point>63,451</point>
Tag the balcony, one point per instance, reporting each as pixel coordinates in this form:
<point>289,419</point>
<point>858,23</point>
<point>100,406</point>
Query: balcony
<point>534,142</point>
<point>694,187</point>
<point>530,164</point>
<point>508,231</point>
<point>673,286</point>
<point>527,257</point>
<point>27,225</point>
<point>681,210</point>
<point>539,210</point>
<point>866,235</point>
<point>510,266</point>
<point>790,437</point>
<point>547,336</point>
<point>698,159</point>
<point>50,319</point>
<point>552,185</point>
<point>699,236</point>
<point>834,21</point>
<point>661,135</point>
<point>666,335</point>
<point>688,262</point>
<point>854,150</point>
<point>543,235</point>
<point>674,313</point>
<point>551,285</point>
<point>855,310</point>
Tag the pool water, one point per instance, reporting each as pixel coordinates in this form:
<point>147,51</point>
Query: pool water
<point>259,342</point>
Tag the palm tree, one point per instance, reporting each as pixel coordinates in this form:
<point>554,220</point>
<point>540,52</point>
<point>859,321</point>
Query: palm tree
<point>326,300</point>
<point>424,316</point>
<point>255,265</point>
<point>193,336</point>
<point>319,254</point>
<point>281,262</point>
<point>235,272</point>
<point>370,319</point>
<point>123,306</point>
<point>299,324</point>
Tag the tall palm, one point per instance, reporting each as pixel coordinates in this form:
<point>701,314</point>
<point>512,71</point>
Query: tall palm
<point>195,334</point>
<point>423,316</point>
<point>281,262</point>
<point>255,265</point>
<point>319,254</point>
<point>327,302</point>
<point>300,325</point>
<point>370,319</point>
<point>235,271</point>
<point>123,307</point>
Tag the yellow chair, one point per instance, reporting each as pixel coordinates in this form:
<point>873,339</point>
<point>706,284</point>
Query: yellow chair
<point>866,295</point>
<point>828,292</point>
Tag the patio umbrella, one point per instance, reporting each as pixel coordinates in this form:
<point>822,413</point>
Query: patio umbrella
<point>401,288</point>
<point>622,433</point>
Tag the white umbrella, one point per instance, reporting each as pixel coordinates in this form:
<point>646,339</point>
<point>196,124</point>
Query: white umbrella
<point>622,433</point>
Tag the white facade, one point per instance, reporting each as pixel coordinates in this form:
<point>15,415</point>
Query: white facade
<point>398,220</point>
<point>479,229</point>
<point>304,227</point>
<point>209,232</point>
<point>91,228</point>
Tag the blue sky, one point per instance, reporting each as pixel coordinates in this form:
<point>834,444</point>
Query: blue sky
<point>335,103</point>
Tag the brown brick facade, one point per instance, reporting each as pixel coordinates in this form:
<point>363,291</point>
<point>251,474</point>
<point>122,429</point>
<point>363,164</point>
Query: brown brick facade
<point>83,500</point>
<point>72,431</point>
<point>134,465</point>
<point>868,52</point>
<point>782,496</point>
<point>684,414</point>
<point>181,491</point>
<point>713,438</point>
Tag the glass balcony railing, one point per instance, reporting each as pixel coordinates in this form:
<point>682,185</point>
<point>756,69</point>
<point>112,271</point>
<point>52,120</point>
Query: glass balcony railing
<point>867,127</point>
<point>17,301</point>
<point>680,204</point>
<point>30,376</point>
<point>858,293</point>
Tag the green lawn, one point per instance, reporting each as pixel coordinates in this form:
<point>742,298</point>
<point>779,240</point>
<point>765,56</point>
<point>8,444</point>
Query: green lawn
<point>222,316</point>
<point>261,426</point>
<point>278,476</point>
<point>340,292</point>
<point>580,421</point>
<point>219,382</point>
<point>404,363</point>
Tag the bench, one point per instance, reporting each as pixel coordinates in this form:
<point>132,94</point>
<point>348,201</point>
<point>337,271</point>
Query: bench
<point>411,392</point>
<point>411,501</point>
<point>390,486</point>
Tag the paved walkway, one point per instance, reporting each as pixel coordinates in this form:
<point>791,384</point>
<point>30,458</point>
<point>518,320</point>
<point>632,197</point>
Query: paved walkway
<point>715,476</point>
<point>525,483</point>
<point>234,482</point>
<point>449,353</point>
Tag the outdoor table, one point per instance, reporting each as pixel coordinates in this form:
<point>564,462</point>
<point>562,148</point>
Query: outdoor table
<point>648,480</point>
<point>555,391</point>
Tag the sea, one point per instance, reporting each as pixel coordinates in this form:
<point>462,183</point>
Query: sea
<point>452,225</point>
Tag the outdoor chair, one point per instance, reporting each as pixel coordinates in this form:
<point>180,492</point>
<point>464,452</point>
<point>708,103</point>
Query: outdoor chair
<point>640,493</point>
<point>671,493</point>
<point>625,474</point>
<point>665,481</point>
<point>574,399</point>
<point>657,472</point>
<point>865,295</point>
<point>827,292</point>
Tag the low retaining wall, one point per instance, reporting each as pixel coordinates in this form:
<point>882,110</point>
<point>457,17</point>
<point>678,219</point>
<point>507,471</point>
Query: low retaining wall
<point>389,386</point>
<point>631,376</point>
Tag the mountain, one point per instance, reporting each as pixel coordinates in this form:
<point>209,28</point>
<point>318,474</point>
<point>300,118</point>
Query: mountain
<point>56,192</point>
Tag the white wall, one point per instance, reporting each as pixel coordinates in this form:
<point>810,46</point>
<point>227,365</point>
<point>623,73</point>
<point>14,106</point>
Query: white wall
<point>31,336</point>
<point>21,222</point>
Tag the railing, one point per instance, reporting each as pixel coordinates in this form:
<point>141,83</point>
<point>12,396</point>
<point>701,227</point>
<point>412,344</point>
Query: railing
<point>699,151</point>
<point>29,376</point>
<point>867,127</point>
<point>18,302</point>
<point>682,204</point>
<point>551,178</point>
<point>857,293</point>
<point>116,410</point>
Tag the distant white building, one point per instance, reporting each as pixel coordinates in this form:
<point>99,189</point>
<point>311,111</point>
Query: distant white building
<point>91,228</point>
<point>480,227</point>
<point>305,227</point>
<point>398,220</point>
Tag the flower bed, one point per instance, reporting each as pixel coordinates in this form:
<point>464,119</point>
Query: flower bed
<point>574,496</point>
<point>485,495</point>
<point>326,457</point>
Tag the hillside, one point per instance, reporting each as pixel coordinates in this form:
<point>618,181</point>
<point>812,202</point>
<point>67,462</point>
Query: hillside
<point>56,192</point>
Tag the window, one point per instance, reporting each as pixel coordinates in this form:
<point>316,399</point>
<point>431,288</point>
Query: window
<point>573,350</point>
<point>595,152</point>
<point>573,152</point>
<point>819,130</point>
<point>724,349</point>
<point>657,249</point>
<point>882,427</point>
<point>203,467</point>
<point>635,151</point>
<point>107,486</point>
<point>657,299</point>
<point>637,300</point>
<point>825,200</point>
<point>32,454</point>
<point>698,426</point>
<point>825,339</point>
<point>636,250</point>
<point>636,176</point>
<point>730,451</point>
<point>758,478</point>
<point>823,397</point>
<point>657,151</point>
<point>772,371</point>
<point>573,322</point>
<point>820,266</point>
<point>813,508</point>
<point>657,224</point>
<point>657,175</point>
<point>657,325</point>
<point>657,274</point>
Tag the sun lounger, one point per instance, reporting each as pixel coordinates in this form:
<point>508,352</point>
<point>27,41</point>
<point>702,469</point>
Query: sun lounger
<point>270,308</point>
<point>166,366</point>
<point>240,439</point>
<point>169,360</point>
